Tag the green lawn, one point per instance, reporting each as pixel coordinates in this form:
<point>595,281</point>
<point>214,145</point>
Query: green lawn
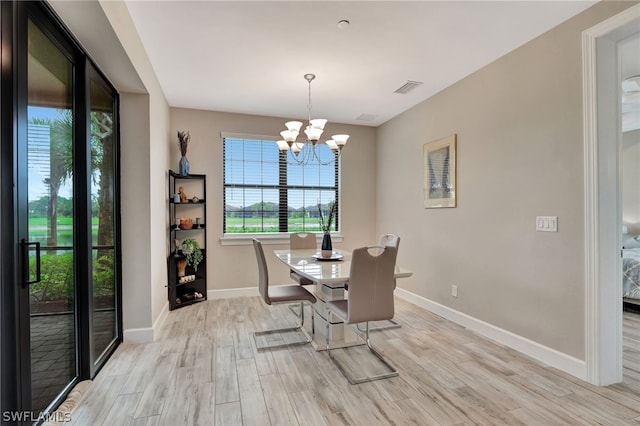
<point>256,224</point>
<point>38,229</point>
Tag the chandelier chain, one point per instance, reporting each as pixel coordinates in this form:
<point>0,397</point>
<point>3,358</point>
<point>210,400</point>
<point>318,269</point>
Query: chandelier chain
<point>309,104</point>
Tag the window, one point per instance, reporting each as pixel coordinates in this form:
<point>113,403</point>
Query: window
<point>263,192</point>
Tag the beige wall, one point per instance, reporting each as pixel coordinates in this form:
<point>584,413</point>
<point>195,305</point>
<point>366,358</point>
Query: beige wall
<point>232,267</point>
<point>630,158</point>
<point>144,125</point>
<point>520,155</point>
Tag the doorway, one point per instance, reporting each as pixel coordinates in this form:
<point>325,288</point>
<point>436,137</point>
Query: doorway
<point>603,218</point>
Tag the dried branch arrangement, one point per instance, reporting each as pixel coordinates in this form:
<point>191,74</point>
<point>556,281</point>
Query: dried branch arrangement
<point>183,141</point>
<point>326,226</point>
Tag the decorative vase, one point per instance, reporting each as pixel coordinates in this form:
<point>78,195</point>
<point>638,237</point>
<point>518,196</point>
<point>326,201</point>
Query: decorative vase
<point>184,166</point>
<point>327,249</point>
<point>182,266</point>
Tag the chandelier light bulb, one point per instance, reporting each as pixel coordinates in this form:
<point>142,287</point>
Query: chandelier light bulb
<point>313,133</point>
<point>318,123</point>
<point>293,125</point>
<point>341,140</point>
<point>289,136</point>
<point>283,145</point>
<point>332,144</point>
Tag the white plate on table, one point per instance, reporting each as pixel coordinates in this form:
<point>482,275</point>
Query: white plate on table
<point>334,256</point>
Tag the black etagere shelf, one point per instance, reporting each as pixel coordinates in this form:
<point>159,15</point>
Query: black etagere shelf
<point>191,286</point>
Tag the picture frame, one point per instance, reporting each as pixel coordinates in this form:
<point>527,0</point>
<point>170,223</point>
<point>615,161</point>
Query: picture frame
<point>439,159</point>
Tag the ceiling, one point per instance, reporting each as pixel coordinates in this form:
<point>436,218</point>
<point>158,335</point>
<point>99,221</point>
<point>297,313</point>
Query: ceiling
<point>250,57</point>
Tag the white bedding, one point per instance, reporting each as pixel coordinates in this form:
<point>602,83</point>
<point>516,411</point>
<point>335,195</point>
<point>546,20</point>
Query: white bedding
<point>631,273</point>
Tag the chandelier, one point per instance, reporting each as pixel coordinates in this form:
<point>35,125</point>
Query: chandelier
<point>302,153</point>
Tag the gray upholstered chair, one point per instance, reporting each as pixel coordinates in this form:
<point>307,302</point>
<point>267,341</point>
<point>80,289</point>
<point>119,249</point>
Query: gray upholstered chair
<point>300,241</point>
<point>387,240</point>
<point>370,298</point>
<point>280,294</point>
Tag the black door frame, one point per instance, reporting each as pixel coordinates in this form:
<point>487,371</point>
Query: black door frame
<point>15,387</point>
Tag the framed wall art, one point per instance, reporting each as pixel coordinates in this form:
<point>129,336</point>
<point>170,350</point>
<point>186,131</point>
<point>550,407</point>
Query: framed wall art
<point>440,173</point>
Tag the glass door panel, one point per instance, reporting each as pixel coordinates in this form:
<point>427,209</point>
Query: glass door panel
<point>102,218</point>
<point>50,218</point>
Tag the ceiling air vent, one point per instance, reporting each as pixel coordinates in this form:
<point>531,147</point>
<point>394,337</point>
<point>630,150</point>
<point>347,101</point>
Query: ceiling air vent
<point>407,87</point>
<point>367,117</point>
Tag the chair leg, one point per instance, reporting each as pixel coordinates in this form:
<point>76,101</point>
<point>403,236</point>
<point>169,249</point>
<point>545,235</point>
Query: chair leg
<point>293,309</point>
<point>392,324</point>
<point>357,380</point>
<point>393,372</point>
<point>284,330</point>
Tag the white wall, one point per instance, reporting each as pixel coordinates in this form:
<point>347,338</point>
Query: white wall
<point>520,155</point>
<point>147,193</point>
<point>232,267</point>
<point>106,31</point>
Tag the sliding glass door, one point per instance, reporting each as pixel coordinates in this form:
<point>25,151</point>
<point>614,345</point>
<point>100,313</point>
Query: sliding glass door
<point>60,294</point>
<point>49,219</point>
<point>104,314</point>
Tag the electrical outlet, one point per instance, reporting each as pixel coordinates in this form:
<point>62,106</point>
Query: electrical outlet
<point>454,290</point>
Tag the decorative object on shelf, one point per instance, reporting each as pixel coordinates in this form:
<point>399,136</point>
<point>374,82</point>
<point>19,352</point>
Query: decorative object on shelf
<point>176,197</point>
<point>186,223</point>
<point>305,151</point>
<point>191,249</point>
<point>195,199</point>
<point>181,263</point>
<point>183,143</point>
<point>197,222</point>
<point>186,278</point>
<point>182,194</point>
<point>326,247</point>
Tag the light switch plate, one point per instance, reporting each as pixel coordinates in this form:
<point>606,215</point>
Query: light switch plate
<point>547,223</point>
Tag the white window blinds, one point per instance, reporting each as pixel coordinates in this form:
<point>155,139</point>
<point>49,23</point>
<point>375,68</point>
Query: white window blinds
<point>263,192</point>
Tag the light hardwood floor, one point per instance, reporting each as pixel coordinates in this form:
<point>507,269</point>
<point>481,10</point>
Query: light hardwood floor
<point>204,369</point>
<point>631,350</point>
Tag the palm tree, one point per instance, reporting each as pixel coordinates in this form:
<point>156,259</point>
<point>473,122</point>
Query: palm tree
<point>61,164</point>
<point>102,165</point>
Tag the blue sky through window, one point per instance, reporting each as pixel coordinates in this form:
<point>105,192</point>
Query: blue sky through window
<point>256,162</point>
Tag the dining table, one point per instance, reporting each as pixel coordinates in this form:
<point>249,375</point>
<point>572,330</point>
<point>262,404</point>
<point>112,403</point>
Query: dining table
<point>329,276</point>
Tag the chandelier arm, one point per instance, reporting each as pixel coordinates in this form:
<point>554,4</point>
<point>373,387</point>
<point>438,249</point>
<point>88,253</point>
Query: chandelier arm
<point>326,163</point>
<point>333,160</point>
<point>303,156</point>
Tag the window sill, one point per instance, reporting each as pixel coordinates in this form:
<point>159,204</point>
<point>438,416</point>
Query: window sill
<point>268,239</point>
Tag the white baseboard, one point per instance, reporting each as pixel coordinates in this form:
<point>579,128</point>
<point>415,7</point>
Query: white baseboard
<point>138,335</point>
<point>232,292</point>
<point>146,334</point>
<point>544,354</point>
<point>157,325</point>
